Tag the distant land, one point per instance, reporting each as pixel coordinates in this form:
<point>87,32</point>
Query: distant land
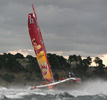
<point>17,69</point>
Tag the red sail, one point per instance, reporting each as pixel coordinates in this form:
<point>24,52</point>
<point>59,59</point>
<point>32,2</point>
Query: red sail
<point>38,45</point>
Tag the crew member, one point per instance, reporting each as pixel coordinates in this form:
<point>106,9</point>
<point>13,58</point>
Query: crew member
<point>71,74</point>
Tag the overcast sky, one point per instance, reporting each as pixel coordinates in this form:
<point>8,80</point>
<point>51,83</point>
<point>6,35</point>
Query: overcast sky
<point>68,26</point>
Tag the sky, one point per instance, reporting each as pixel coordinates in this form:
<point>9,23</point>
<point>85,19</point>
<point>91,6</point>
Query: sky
<point>68,27</point>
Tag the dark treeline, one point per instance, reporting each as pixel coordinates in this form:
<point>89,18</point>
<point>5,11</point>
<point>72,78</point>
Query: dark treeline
<point>12,65</point>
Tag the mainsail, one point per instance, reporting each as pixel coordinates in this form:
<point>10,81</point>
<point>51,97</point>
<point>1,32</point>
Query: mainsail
<point>38,45</point>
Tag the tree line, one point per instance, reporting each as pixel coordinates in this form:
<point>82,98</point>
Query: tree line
<point>60,66</point>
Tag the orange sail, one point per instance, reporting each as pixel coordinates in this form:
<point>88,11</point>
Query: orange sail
<point>38,45</point>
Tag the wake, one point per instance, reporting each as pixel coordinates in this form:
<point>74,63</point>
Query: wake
<point>94,87</point>
<point>89,89</point>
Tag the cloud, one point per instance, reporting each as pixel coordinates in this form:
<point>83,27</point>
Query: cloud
<point>24,52</point>
<point>72,26</point>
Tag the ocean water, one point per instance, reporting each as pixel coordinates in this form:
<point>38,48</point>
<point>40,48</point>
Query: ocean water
<point>90,90</point>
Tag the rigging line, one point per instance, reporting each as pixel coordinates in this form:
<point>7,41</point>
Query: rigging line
<point>32,2</point>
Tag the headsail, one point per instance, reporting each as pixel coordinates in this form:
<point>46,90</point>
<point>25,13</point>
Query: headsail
<point>38,45</point>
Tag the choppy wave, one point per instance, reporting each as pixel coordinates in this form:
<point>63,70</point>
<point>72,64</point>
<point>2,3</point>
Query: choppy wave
<point>90,90</point>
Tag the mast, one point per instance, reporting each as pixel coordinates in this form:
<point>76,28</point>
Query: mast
<point>38,45</point>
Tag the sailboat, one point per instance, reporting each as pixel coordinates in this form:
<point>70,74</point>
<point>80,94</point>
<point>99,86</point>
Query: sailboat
<point>39,49</point>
